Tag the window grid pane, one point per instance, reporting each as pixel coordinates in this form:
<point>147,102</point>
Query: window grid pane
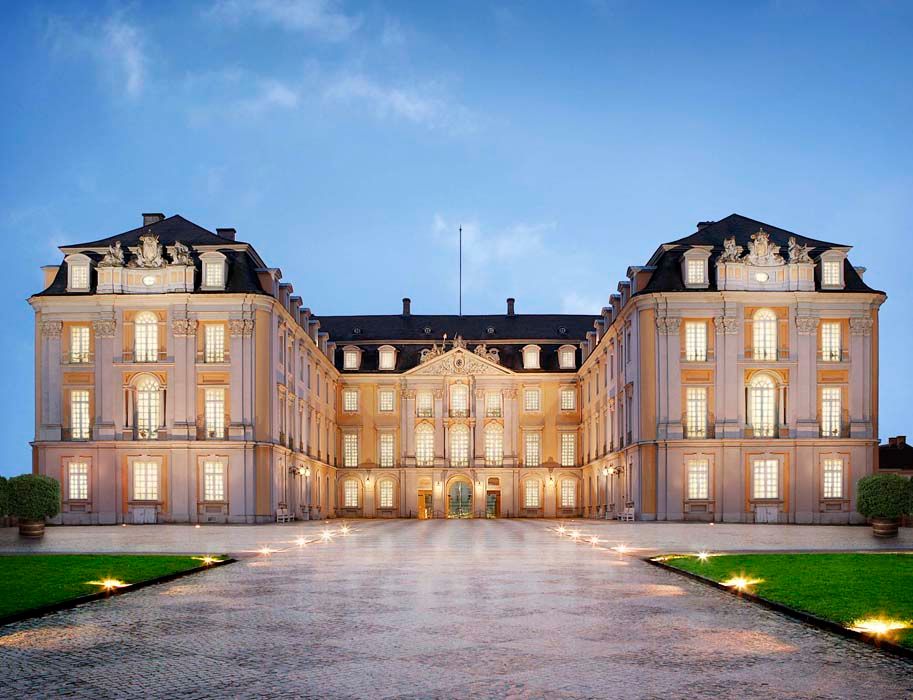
<point>568,399</point>
<point>531,494</point>
<point>830,272</point>
<point>494,446</point>
<point>350,450</point>
<point>213,275</point>
<point>386,359</point>
<point>146,338</point>
<point>459,446</point>
<point>695,341</point>
<point>566,359</point>
<point>350,493</point>
<point>695,272</point>
<point>568,449</point>
<point>531,442</point>
<point>145,481</point>
<point>531,399</point>
<point>833,478</point>
<point>147,409</point>
<point>830,342</point>
<point>79,414</point>
<point>350,400</point>
<point>213,481</point>
<point>568,493</point>
<point>830,411</point>
<point>493,405</point>
<point>78,481</point>
<point>215,343</point>
<point>765,335</point>
<point>79,277</point>
<point>698,479</point>
<point>350,359</point>
<point>385,400</point>
<point>763,407</point>
<point>424,406</point>
<point>386,494</point>
<point>765,478</point>
<point>531,358</point>
<point>424,446</point>
<point>459,400</point>
<point>696,417</point>
<point>79,344</point>
<point>386,450</point>
<point>215,413</point>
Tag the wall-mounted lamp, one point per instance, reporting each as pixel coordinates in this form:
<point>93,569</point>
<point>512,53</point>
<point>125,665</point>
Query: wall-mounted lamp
<point>307,471</point>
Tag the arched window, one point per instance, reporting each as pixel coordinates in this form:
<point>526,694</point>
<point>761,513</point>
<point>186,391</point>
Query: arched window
<point>568,493</point>
<point>350,493</point>
<point>494,445</point>
<point>459,400</point>
<point>424,445</point>
<point>459,446</point>
<point>145,337</point>
<point>531,493</point>
<point>148,408</point>
<point>762,405</point>
<point>764,325</point>
<point>385,497</point>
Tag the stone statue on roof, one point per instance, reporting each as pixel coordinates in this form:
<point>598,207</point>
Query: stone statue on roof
<point>180,254</point>
<point>731,251</point>
<point>762,252</point>
<point>798,253</point>
<point>148,253</point>
<point>114,257</point>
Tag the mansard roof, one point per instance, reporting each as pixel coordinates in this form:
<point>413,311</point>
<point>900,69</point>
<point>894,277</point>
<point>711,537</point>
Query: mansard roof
<point>169,230</point>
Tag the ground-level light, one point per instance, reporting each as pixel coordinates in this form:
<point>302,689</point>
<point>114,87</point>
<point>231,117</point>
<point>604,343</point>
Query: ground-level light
<point>877,626</point>
<point>740,583</point>
<point>109,584</point>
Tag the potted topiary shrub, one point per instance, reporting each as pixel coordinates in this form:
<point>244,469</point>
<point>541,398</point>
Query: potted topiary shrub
<point>32,498</point>
<point>883,499</point>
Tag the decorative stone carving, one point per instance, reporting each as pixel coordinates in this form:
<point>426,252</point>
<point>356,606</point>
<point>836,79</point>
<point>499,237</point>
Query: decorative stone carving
<point>492,355</point>
<point>459,362</point>
<point>807,325</point>
<point>183,327</point>
<point>432,352</point>
<point>114,257</point>
<point>51,329</point>
<point>860,326</point>
<point>731,251</point>
<point>726,325</point>
<point>458,342</point>
<point>798,253</point>
<point>668,325</point>
<point>148,253</point>
<point>180,254</point>
<point>762,252</point>
<point>104,328</point>
<point>241,326</point>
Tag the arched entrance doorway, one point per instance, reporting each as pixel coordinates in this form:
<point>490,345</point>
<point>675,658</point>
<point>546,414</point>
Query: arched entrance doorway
<point>459,499</point>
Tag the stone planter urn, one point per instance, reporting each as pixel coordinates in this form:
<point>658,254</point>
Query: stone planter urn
<point>31,529</point>
<point>885,527</point>
<point>884,499</point>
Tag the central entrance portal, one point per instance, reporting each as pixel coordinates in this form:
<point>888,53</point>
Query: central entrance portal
<point>459,500</point>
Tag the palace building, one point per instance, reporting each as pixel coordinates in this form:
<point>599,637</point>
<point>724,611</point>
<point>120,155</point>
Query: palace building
<point>731,378</point>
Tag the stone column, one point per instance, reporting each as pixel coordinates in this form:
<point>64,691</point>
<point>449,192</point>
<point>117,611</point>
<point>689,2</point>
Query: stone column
<point>476,426</point>
<point>51,384</point>
<point>242,368</point>
<point>440,444</point>
<point>407,423</point>
<point>511,439</point>
<point>183,391</point>
<point>803,395</point>
<point>107,385</point>
<point>860,395</point>
<point>728,390</point>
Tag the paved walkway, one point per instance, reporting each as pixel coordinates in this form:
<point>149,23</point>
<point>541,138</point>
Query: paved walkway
<point>434,609</point>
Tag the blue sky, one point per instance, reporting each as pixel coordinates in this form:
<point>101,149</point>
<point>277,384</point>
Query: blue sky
<point>348,140</point>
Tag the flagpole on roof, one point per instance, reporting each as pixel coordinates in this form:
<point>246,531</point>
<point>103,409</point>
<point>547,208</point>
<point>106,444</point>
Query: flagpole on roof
<point>461,270</point>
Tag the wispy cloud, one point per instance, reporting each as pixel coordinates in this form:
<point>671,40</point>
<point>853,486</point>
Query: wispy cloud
<point>323,18</point>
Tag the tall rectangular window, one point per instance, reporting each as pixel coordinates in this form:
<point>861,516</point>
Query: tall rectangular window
<point>350,400</point>
<point>830,341</point>
<point>695,272</point>
<point>765,478</point>
<point>350,449</point>
<point>459,400</point>
<point>567,358</point>
<point>350,359</point>
<point>493,404</point>
<point>531,445</point>
<point>698,479</point>
<point>531,494</point>
<point>531,399</point>
<point>350,493</point>
<point>214,342</point>
<point>213,480</point>
<point>424,445</point>
<point>78,481</point>
<point>386,494</point>
<point>145,481</point>
<point>830,273</point>
<point>424,404</point>
<point>79,344</point>
<point>568,493</point>
<point>79,276</point>
<point>385,400</point>
<point>494,446</point>
<point>568,449</point>
<point>385,458</point>
<point>833,478</point>
<point>215,413</point>
<point>830,411</point>
<point>459,446</point>
<point>79,414</point>
<point>696,417</point>
<point>212,275</point>
<point>695,341</point>
<point>569,398</point>
<point>387,359</point>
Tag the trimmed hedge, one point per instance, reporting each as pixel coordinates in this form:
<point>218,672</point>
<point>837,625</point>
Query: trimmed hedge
<point>33,497</point>
<point>4,498</point>
<point>884,496</point>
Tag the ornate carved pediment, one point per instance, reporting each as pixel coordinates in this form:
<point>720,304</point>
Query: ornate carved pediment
<point>459,361</point>
<point>798,253</point>
<point>762,252</point>
<point>148,253</point>
<point>731,251</point>
<point>180,254</point>
<point>114,257</point>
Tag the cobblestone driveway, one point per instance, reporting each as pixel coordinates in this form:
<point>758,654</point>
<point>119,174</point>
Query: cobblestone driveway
<point>437,609</point>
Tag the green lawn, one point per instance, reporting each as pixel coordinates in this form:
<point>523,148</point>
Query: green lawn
<point>32,580</point>
<point>839,587</point>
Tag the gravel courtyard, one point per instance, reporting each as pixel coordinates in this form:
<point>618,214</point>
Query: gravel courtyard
<point>432,609</point>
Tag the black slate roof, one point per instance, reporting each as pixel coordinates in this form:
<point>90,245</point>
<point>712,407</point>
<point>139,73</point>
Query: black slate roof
<point>895,455</point>
<point>169,230</point>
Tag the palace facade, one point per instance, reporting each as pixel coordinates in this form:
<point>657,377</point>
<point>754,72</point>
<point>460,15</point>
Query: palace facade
<point>733,377</point>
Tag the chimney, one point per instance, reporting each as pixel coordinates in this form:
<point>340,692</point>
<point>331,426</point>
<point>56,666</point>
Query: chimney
<point>704,224</point>
<point>227,233</point>
<point>860,271</point>
<point>407,307</point>
<point>149,219</point>
<point>510,306</point>
<point>901,440</point>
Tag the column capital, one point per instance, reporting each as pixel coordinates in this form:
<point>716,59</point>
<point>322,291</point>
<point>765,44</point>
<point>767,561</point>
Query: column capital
<point>51,329</point>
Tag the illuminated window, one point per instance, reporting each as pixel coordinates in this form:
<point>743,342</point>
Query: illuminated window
<point>146,337</point>
<point>531,443</point>
<point>386,494</point>
<point>764,327</point>
<point>78,481</point>
<point>567,358</point>
<point>568,399</point>
<point>424,445</point>
<point>214,342</point>
<point>830,341</point>
<point>424,404</point>
<point>213,274</point>
<point>385,400</point>
<point>833,478</point>
<point>79,276</point>
<point>698,479</point>
<point>79,344</point>
<point>459,400</point>
<point>459,446</point>
<point>531,494</point>
<point>494,445</point>
<point>568,493</point>
<point>387,358</point>
<point>696,416</point>
<point>350,493</point>
<point>79,414</point>
<point>493,404</point>
<point>531,399</point>
<point>568,449</point>
<point>531,357</point>
<point>350,359</point>
<point>145,481</point>
<point>695,272</point>
<point>695,341</point>
<point>830,411</point>
<point>830,273</point>
<point>762,406</point>
<point>350,449</point>
<point>215,412</point>
<point>148,402</point>
<point>213,480</point>
<point>385,458</point>
<point>350,400</point>
<point>765,478</point>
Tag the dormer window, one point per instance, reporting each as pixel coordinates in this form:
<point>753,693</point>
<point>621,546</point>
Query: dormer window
<point>386,357</point>
<point>832,269</point>
<point>214,271</point>
<point>695,271</point>
<point>78,272</point>
<point>694,267</point>
<point>567,357</point>
<point>351,358</point>
<point>531,357</point>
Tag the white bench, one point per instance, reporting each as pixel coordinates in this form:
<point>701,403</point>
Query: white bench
<point>283,515</point>
<point>627,515</point>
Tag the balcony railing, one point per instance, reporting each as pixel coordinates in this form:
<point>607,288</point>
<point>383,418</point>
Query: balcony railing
<point>833,355</point>
<point>76,434</point>
<point>143,356</point>
<point>459,413</point>
<point>764,355</point>
<point>78,358</point>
